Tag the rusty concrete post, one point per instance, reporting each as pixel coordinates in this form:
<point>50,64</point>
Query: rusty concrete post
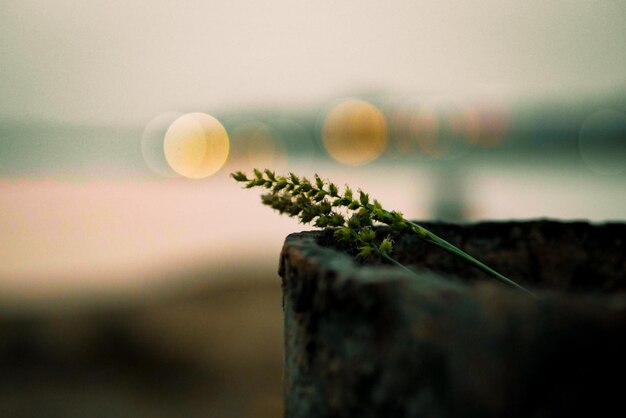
<point>374,341</point>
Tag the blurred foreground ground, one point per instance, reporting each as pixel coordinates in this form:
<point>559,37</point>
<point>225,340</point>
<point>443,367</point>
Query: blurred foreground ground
<point>213,350</point>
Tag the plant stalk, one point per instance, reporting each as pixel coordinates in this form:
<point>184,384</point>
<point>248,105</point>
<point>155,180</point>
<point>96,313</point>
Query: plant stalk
<point>445,245</point>
<point>397,263</point>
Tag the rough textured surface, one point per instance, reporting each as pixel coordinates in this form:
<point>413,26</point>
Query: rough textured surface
<point>374,341</point>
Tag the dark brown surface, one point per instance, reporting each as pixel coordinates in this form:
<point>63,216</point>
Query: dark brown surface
<point>563,256</point>
<point>212,350</point>
<point>373,341</point>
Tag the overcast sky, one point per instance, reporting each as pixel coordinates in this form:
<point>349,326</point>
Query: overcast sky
<point>127,61</point>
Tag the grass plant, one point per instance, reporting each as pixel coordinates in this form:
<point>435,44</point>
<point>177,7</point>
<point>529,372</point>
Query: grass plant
<point>351,214</point>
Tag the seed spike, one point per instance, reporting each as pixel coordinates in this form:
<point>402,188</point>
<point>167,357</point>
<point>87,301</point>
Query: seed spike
<point>318,203</point>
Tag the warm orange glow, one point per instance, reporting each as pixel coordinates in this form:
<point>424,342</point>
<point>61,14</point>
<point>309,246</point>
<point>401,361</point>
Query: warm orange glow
<point>196,145</point>
<point>258,146</point>
<point>424,128</point>
<point>495,121</point>
<point>355,132</point>
<point>399,131</point>
<point>467,124</point>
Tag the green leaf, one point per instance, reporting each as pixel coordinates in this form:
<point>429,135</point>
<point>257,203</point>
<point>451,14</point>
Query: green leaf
<point>336,220</point>
<point>386,246</point>
<point>239,176</point>
<point>325,207</point>
<point>270,175</point>
<point>344,234</point>
<point>348,193</point>
<point>306,186</point>
<point>367,235</point>
<point>364,198</point>
<point>365,251</point>
<point>319,182</point>
<point>294,178</point>
<point>322,221</point>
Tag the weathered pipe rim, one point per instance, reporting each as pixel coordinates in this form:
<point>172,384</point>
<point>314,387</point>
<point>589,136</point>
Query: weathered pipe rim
<point>303,249</point>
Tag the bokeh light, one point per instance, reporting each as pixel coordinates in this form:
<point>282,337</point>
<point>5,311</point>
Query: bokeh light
<point>399,132</point>
<point>196,145</point>
<point>495,121</point>
<point>467,124</point>
<point>432,129</point>
<point>152,143</point>
<point>256,145</point>
<point>354,132</point>
<point>602,142</point>
<point>425,130</point>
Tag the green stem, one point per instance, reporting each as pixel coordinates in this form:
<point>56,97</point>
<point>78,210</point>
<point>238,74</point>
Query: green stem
<point>441,243</point>
<point>397,263</point>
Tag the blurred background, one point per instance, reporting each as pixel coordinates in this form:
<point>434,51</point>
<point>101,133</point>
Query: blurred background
<point>138,280</point>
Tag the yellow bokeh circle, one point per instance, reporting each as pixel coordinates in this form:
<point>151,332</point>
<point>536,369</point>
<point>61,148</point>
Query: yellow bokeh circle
<point>354,132</point>
<point>196,145</point>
